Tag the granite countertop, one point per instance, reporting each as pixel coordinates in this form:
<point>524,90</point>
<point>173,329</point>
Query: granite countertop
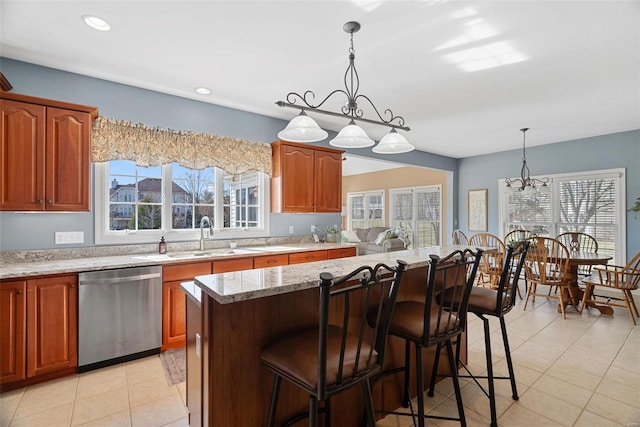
<point>47,263</point>
<point>244,285</point>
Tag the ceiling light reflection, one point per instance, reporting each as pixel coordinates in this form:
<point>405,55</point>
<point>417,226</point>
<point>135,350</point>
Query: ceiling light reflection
<point>464,13</point>
<point>488,56</point>
<point>475,30</point>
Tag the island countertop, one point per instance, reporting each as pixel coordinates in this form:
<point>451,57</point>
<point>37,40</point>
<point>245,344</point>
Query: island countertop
<point>226,288</point>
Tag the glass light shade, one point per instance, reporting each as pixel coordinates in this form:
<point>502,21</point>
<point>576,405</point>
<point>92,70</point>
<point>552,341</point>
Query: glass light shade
<point>302,128</point>
<point>352,136</point>
<point>528,189</point>
<point>393,143</point>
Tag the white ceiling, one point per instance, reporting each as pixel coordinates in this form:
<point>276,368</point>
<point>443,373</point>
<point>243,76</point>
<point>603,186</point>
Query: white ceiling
<point>573,66</point>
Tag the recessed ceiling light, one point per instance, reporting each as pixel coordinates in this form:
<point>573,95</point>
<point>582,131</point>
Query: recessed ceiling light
<point>96,23</point>
<point>203,91</point>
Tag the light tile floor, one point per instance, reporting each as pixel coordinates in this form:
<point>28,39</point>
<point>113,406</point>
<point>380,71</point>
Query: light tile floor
<point>582,371</point>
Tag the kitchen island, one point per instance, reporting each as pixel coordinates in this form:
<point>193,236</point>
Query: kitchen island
<point>243,311</point>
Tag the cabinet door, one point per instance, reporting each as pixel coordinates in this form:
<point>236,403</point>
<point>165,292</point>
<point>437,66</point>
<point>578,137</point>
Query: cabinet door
<point>270,260</point>
<point>52,324</point>
<point>67,160</point>
<point>174,326</point>
<point>173,307</point>
<point>236,264</point>
<point>310,256</point>
<point>341,253</point>
<point>22,156</point>
<point>328,181</point>
<point>12,330</point>
<point>297,179</point>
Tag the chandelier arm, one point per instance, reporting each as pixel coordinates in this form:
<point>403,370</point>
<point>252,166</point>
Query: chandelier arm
<point>351,84</point>
<point>291,98</point>
<point>334,114</point>
<point>387,112</point>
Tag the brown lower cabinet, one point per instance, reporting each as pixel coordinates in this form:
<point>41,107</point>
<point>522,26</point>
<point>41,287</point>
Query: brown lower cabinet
<point>39,323</point>
<point>174,326</point>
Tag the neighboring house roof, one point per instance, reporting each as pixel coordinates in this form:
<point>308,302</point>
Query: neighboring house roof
<point>148,185</point>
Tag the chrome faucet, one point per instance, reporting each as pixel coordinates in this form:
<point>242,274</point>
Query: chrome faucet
<point>202,221</point>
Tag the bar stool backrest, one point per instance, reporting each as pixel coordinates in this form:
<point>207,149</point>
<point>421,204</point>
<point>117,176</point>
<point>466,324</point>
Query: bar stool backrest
<point>511,272</point>
<point>458,271</point>
<point>362,350</point>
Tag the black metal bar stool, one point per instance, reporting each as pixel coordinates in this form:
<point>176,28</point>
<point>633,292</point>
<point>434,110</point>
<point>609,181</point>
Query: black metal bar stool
<point>331,358</point>
<point>485,302</point>
<point>427,323</point>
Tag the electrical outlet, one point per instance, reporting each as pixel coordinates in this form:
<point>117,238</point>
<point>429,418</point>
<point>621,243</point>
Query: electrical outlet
<point>291,230</point>
<point>69,237</point>
<point>313,228</point>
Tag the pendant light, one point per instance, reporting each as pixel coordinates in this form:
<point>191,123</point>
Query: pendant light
<point>351,136</point>
<point>302,128</point>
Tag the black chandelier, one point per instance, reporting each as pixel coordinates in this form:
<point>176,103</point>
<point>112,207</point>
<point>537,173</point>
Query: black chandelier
<point>525,183</point>
<point>304,129</point>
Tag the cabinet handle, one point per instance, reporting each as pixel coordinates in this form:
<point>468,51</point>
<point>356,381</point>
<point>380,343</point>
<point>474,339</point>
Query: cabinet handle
<point>49,201</point>
<point>18,291</point>
<point>39,201</point>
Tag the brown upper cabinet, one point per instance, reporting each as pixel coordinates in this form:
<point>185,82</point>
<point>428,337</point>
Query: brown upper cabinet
<point>305,178</point>
<point>45,157</point>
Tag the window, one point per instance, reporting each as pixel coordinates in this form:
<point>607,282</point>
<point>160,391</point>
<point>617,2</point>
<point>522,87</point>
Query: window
<point>136,204</point>
<point>366,209</point>
<point>589,202</point>
<point>418,209</point>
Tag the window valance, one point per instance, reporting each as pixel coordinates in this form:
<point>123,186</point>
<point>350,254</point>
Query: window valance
<point>121,140</point>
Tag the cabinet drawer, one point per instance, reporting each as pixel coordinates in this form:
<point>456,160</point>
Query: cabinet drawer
<point>232,265</point>
<point>300,257</point>
<point>270,260</point>
<point>341,253</point>
<point>186,271</point>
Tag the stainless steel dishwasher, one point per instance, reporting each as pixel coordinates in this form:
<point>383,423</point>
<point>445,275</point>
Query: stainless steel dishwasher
<point>120,315</point>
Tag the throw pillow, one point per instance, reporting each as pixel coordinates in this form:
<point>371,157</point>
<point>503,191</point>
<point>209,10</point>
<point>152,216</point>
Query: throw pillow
<point>381,238</point>
<point>350,236</point>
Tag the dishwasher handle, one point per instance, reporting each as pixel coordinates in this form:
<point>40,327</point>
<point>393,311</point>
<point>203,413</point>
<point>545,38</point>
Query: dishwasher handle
<point>116,280</point>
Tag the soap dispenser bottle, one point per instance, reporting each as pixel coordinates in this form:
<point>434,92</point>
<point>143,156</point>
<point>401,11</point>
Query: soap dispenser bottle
<point>162,246</point>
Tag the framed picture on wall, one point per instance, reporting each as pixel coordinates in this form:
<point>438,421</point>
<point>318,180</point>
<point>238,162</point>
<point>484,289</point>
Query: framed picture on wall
<point>477,205</point>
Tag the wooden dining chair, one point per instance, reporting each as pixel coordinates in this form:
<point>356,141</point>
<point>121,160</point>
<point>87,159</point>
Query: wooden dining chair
<point>611,277</point>
<point>515,236</point>
<point>547,264</point>
<point>485,303</point>
<point>579,242</point>
<point>342,351</point>
<point>426,323</point>
<point>459,238</point>
<point>491,263</point>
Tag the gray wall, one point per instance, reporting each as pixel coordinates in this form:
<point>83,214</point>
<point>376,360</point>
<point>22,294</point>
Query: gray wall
<point>24,231</point>
<point>619,150</point>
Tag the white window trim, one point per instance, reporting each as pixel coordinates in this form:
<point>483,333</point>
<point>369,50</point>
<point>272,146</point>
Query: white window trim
<point>364,194</point>
<point>103,236</point>
<point>621,217</point>
<point>429,188</point>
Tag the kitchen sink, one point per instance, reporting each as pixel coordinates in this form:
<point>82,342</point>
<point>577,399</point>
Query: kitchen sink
<point>196,254</point>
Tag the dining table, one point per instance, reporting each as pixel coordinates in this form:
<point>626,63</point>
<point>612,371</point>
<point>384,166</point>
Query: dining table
<point>573,294</point>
